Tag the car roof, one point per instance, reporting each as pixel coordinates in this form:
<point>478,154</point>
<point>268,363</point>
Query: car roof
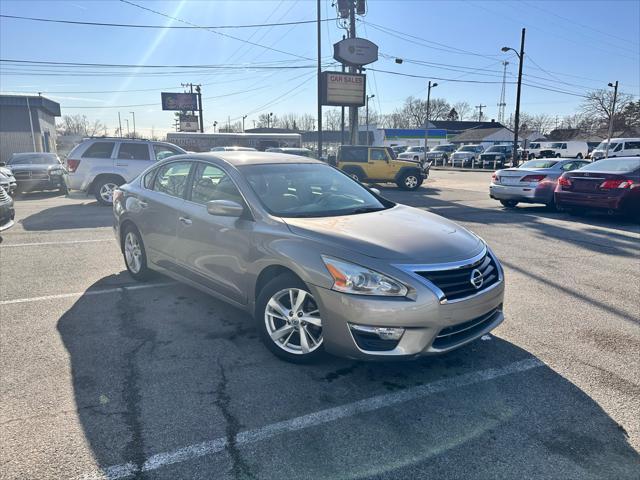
<point>24,154</point>
<point>240,158</point>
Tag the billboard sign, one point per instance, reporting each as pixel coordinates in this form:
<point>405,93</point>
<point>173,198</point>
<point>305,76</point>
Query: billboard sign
<point>179,101</point>
<point>343,89</point>
<point>355,51</point>
<point>189,123</point>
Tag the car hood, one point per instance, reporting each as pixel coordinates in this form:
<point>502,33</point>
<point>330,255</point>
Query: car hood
<point>34,167</point>
<point>402,234</point>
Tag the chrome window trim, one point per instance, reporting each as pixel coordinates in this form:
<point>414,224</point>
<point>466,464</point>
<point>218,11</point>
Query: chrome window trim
<point>413,269</point>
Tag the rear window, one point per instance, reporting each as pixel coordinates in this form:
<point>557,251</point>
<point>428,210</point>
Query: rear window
<point>622,165</point>
<point>538,164</point>
<point>99,150</point>
<point>134,151</point>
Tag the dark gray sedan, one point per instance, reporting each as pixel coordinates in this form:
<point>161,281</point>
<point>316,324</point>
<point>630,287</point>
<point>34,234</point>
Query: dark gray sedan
<point>532,182</point>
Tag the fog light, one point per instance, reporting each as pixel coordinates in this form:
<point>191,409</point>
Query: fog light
<point>384,333</point>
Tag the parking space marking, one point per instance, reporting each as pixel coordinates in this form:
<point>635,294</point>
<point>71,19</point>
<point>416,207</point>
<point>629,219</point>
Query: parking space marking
<point>88,292</point>
<point>314,419</point>
<point>63,242</point>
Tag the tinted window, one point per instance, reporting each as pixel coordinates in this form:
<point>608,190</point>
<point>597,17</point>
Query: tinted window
<point>378,154</point>
<point>569,166</point>
<point>172,178</point>
<point>162,151</point>
<point>539,164</point>
<point>354,155</point>
<point>133,151</point>
<point>309,190</point>
<point>632,145</point>
<point>618,148</point>
<point>614,165</point>
<point>99,150</point>
<point>148,179</point>
<point>212,183</point>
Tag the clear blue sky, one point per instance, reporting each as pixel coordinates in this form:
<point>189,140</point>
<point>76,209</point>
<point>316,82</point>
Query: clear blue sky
<point>576,46</point>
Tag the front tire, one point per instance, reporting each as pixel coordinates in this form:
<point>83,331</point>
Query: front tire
<point>135,255</point>
<point>288,320</point>
<point>104,188</point>
<point>409,181</point>
<point>579,156</point>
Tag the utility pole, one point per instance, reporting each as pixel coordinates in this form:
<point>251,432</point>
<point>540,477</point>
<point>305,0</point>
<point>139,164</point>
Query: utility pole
<point>134,123</point>
<point>426,123</point>
<point>613,114</point>
<point>367,117</point>
<point>516,125</point>
<point>353,111</point>
<point>502,104</point>
<point>199,92</point>
<point>120,124</point>
<point>128,134</point>
<point>243,117</point>
<point>342,113</point>
<point>480,107</point>
<point>319,80</point>
<point>229,124</point>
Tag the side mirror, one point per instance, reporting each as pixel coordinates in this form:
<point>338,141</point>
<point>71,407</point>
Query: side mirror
<point>375,190</point>
<point>225,208</point>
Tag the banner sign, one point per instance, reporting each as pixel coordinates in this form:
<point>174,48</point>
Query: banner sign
<point>189,123</point>
<point>179,101</point>
<point>343,89</point>
<point>355,51</point>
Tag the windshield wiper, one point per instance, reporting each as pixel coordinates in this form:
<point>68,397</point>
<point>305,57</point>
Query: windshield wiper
<point>367,209</point>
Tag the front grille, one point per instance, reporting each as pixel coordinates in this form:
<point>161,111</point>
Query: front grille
<point>456,283</point>
<point>371,342</point>
<point>3,195</point>
<point>456,334</point>
<point>31,175</point>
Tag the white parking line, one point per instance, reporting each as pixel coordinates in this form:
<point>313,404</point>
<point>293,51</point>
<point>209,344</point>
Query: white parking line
<point>64,242</point>
<point>321,417</point>
<point>88,292</point>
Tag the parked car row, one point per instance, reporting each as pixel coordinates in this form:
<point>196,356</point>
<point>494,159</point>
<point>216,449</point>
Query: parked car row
<point>574,185</point>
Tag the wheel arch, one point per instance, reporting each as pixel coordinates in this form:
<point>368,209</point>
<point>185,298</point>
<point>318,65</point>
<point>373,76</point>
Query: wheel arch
<point>102,176</point>
<point>406,170</point>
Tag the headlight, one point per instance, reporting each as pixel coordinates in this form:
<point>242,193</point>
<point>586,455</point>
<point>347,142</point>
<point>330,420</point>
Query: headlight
<point>56,172</point>
<point>351,278</point>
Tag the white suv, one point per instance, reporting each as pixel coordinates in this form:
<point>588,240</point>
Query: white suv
<point>100,165</point>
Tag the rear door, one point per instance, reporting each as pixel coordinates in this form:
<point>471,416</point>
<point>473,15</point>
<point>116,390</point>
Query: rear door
<point>162,204</point>
<point>214,249</point>
<point>162,151</point>
<point>132,158</point>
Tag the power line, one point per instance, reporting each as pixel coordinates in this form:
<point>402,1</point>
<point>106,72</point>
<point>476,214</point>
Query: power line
<point>173,27</point>
<point>130,65</point>
<point>214,31</point>
<point>435,78</point>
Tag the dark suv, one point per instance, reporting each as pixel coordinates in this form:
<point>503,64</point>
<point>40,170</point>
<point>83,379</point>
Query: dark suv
<point>380,164</point>
<point>496,156</point>
<point>38,171</point>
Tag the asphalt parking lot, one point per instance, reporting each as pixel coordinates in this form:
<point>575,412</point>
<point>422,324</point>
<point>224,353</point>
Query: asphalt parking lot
<point>103,377</point>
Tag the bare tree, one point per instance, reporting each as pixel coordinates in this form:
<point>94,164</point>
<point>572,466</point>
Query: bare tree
<point>235,127</point>
<point>265,120</point>
<point>463,109</point>
<point>80,125</point>
<point>598,104</point>
<point>332,119</point>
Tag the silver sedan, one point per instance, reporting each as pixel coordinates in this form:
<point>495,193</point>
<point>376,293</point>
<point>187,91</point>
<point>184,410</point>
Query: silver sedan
<point>322,262</point>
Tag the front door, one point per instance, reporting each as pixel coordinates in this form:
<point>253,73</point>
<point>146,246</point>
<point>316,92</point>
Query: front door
<point>214,249</point>
<point>380,167</point>
<point>161,208</point>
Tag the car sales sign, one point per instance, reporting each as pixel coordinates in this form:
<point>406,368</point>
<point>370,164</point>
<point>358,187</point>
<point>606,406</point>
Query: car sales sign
<point>179,101</point>
<point>343,89</point>
<point>355,51</point>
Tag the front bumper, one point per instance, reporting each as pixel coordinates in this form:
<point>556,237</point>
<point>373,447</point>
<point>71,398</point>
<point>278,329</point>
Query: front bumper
<point>528,194</point>
<point>41,184</point>
<point>426,320</point>
<point>7,215</point>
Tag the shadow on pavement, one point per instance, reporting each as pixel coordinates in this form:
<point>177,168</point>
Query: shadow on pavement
<point>71,216</point>
<point>159,369</point>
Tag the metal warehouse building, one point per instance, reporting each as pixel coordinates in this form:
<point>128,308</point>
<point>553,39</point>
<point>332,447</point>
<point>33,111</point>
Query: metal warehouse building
<point>27,124</point>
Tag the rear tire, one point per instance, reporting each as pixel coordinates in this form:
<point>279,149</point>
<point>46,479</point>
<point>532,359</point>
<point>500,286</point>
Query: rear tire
<point>356,175</point>
<point>64,190</point>
<point>409,181</point>
<point>104,188</point>
<point>135,255</point>
<point>579,156</point>
<point>509,203</point>
<point>271,318</point>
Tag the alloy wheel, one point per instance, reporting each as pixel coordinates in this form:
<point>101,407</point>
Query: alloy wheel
<point>411,181</point>
<point>133,252</point>
<point>293,321</point>
<point>106,191</point>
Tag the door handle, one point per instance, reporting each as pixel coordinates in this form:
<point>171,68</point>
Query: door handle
<point>185,220</point>
<point>122,164</point>
<point>143,204</point>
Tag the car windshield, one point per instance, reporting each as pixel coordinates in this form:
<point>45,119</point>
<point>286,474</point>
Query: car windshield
<point>415,149</point>
<point>534,145</point>
<point>309,190</point>
<point>603,146</point>
<point>469,148</point>
<point>622,165</point>
<point>497,148</point>
<point>538,164</point>
<point>35,159</point>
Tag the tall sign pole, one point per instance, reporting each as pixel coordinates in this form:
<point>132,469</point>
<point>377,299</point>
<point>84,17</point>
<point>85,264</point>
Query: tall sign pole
<point>353,111</point>
<point>319,81</point>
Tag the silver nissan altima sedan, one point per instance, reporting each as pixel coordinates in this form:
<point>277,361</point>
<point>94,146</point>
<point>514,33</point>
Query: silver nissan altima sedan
<point>322,262</point>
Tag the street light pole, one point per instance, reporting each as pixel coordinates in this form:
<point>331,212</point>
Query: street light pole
<point>367,115</point>
<point>517,119</point>
<point>613,112</point>
<point>243,117</point>
<point>319,28</point>
<point>426,125</point>
<point>134,123</point>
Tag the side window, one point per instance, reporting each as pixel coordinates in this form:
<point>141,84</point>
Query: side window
<point>99,150</point>
<point>632,145</point>
<point>358,154</point>
<point>172,178</point>
<point>618,148</point>
<point>148,178</point>
<point>162,151</point>
<point>133,151</point>
<point>377,154</point>
<point>569,166</point>
<point>212,183</point>
<point>564,146</point>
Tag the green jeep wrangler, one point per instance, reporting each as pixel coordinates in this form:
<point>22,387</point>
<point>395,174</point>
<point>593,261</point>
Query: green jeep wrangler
<point>379,165</point>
